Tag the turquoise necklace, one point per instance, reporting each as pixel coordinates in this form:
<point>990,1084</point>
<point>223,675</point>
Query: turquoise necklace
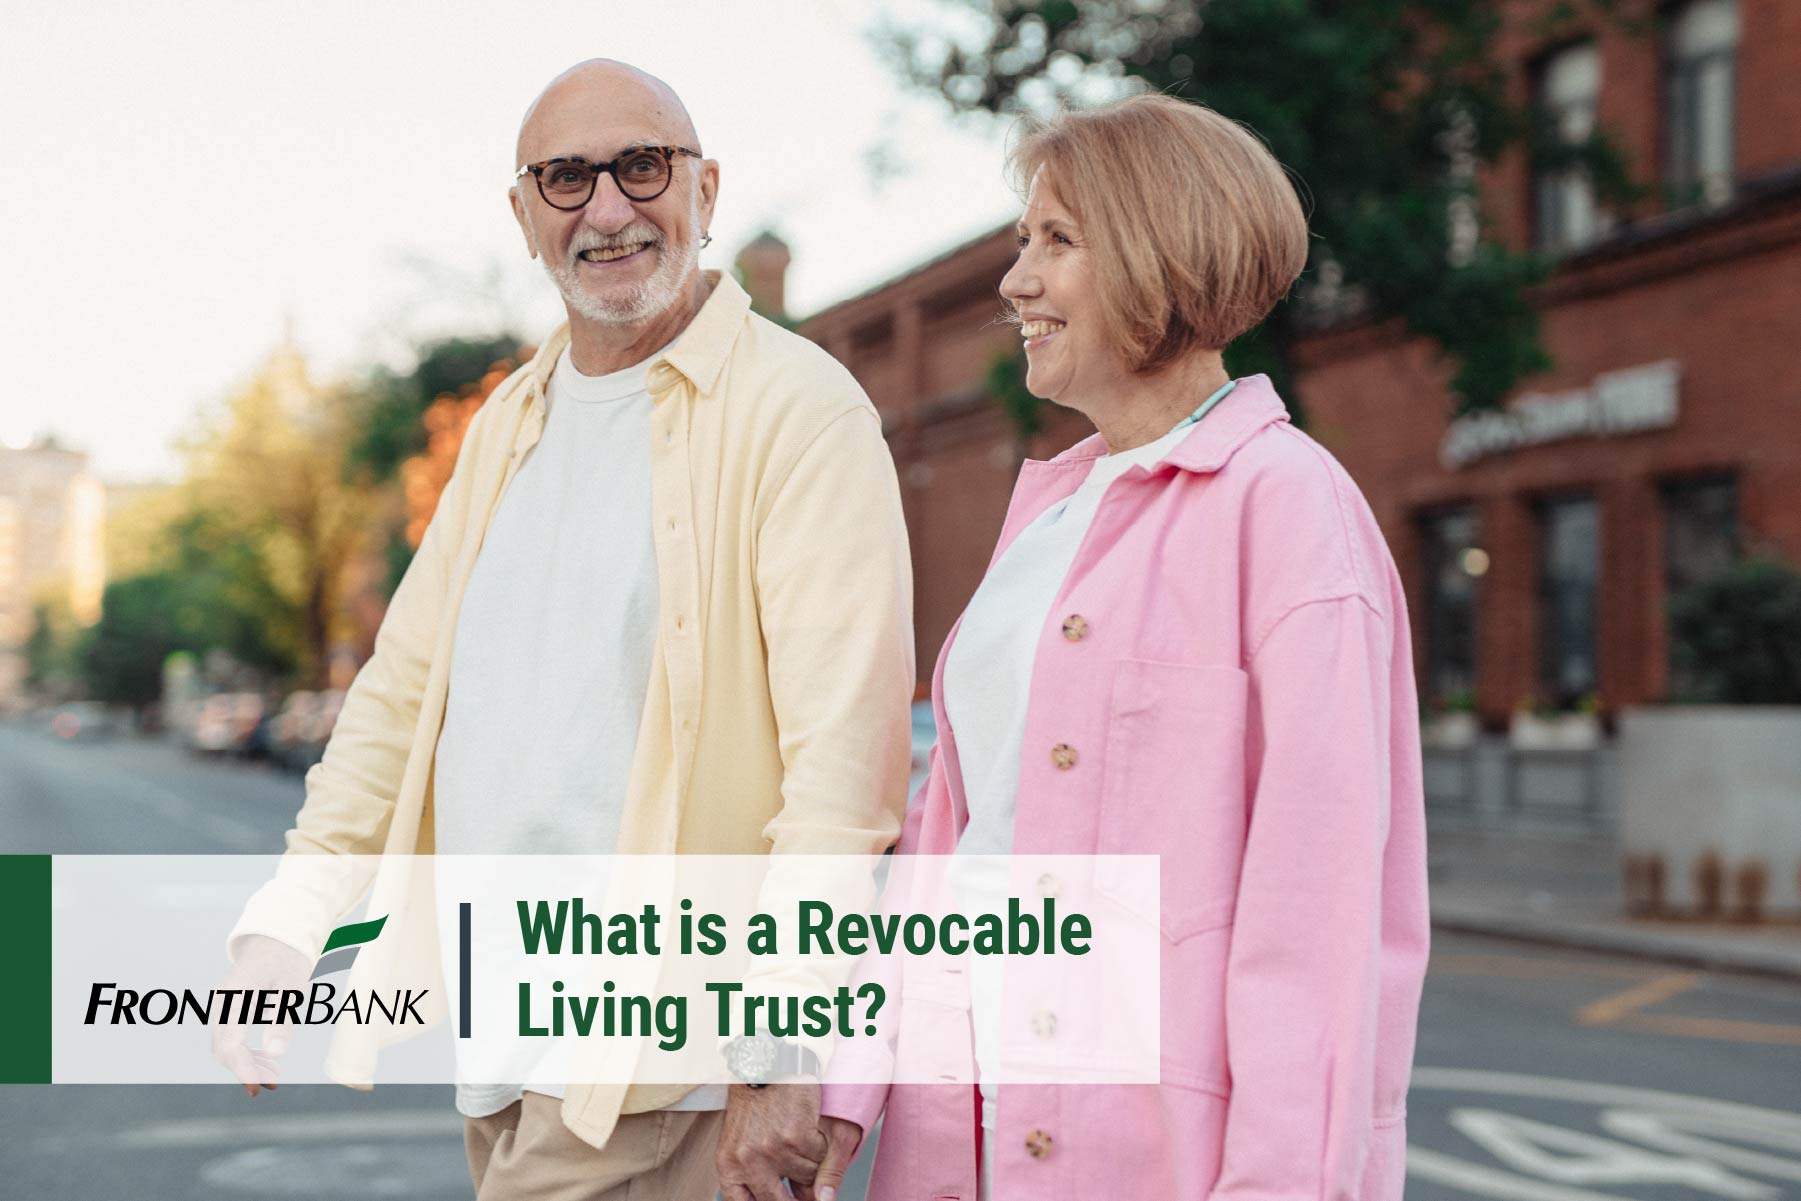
<point>1206,406</point>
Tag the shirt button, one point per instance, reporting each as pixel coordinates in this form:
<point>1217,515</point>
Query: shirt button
<point>1038,1144</point>
<point>668,437</point>
<point>1044,1024</point>
<point>1049,885</point>
<point>680,623</point>
<point>1075,627</point>
<point>1063,756</point>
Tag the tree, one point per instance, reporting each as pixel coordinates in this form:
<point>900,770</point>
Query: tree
<point>392,404</point>
<point>122,655</point>
<point>424,475</point>
<point>1382,109</point>
<point>48,647</point>
<point>272,476</point>
<point>206,586</point>
<point>402,418</point>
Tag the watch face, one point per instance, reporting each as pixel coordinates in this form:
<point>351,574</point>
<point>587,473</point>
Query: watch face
<point>752,1059</point>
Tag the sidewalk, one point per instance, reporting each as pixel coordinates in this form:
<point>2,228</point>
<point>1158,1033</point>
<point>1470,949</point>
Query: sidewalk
<point>1565,890</point>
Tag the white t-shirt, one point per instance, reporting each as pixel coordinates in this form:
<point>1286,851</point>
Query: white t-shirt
<point>552,654</point>
<point>987,683</point>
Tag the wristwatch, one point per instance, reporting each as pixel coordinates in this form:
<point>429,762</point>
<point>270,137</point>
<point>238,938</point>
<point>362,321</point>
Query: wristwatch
<point>758,1059</point>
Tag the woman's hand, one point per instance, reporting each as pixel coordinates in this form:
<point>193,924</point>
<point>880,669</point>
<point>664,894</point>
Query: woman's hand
<point>842,1140</point>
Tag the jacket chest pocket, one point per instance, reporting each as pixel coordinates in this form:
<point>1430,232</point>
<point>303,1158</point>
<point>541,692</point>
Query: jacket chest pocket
<point>1174,785</point>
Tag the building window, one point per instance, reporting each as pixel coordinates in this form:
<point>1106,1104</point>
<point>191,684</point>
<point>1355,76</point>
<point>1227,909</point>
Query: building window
<point>1569,560</point>
<point>1569,88</point>
<point>1699,101</point>
<point>1700,544</point>
<point>1454,564</point>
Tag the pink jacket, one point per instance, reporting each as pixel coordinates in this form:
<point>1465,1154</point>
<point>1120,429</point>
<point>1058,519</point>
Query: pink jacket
<point>1239,697</point>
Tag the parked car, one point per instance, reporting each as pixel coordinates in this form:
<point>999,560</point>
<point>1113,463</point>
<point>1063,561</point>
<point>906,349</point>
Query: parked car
<point>226,723</point>
<point>82,720</point>
<point>290,727</point>
<point>298,734</point>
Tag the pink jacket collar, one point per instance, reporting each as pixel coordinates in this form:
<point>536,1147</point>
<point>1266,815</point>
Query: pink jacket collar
<point>1214,439</point>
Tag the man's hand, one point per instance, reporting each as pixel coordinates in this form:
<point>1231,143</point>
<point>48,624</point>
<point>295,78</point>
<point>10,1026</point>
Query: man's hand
<point>842,1139</point>
<point>261,963</point>
<point>769,1133</point>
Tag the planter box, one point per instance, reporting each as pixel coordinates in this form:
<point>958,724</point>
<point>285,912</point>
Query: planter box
<point>1560,732</point>
<point>1450,731</point>
<point>1710,805</point>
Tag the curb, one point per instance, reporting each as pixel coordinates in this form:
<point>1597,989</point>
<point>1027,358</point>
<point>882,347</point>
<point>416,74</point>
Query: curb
<point>1631,943</point>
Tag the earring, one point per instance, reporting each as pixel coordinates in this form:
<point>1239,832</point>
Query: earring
<point>706,239</point>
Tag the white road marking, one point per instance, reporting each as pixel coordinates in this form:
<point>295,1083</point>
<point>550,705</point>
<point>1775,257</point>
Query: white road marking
<point>1666,1120</point>
<point>1423,1164</point>
<point>292,1128</point>
<point>1550,1152</point>
<point>386,1170</point>
<point>1677,1131</point>
<point>1587,1091</point>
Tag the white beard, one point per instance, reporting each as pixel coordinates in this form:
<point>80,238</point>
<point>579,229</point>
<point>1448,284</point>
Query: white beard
<point>639,302</point>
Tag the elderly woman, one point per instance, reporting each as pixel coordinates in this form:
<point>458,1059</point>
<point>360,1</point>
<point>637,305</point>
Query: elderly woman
<point>1191,641</point>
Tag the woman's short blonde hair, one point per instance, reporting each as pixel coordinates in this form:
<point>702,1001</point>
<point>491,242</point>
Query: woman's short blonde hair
<point>1195,229</point>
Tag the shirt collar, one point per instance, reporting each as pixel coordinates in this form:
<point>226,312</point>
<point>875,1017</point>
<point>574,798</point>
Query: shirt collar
<point>698,353</point>
<point>1215,438</point>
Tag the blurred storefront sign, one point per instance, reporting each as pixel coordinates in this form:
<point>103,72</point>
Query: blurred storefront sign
<point>1627,401</point>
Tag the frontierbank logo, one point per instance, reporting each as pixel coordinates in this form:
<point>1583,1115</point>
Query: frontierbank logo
<point>316,1005</point>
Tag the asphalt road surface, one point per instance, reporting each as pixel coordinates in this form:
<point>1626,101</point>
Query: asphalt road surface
<point>1541,1075</point>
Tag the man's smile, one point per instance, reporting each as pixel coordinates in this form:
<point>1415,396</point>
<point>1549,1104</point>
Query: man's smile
<point>613,254</point>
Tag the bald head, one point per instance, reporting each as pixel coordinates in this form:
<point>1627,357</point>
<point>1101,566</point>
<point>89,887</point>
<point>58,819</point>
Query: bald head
<point>616,94</point>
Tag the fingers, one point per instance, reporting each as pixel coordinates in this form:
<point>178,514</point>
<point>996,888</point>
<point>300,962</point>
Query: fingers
<point>252,1069</point>
<point>801,1161</point>
<point>765,1188</point>
<point>760,1175</point>
<point>841,1149</point>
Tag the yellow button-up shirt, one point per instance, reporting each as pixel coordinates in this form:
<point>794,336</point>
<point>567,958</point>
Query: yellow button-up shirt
<point>776,717</point>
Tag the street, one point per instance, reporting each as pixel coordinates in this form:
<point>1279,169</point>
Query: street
<point>1541,1075</point>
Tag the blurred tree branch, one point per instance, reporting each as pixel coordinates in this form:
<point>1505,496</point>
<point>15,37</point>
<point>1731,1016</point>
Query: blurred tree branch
<point>1371,104</point>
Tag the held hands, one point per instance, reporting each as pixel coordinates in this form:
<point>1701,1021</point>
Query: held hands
<point>261,963</point>
<point>776,1132</point>
<point>842,1138</point>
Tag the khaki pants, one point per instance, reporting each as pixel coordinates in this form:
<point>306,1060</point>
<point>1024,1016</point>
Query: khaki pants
<point>525,1153</point>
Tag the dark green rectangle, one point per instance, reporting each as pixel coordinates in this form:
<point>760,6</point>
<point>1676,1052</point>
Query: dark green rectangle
<point>25,998</point>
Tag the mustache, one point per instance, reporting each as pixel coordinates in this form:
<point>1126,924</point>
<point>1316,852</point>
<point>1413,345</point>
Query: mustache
<point>631,235</point>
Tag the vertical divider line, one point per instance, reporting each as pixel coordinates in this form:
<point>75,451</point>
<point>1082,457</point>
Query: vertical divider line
<point>463,1001</point>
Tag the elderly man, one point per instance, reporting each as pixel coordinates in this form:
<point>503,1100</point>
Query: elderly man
<point>662,608</point>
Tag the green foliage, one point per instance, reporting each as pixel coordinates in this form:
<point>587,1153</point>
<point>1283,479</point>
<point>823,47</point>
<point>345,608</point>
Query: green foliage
<point>228,596</point>
<point>1006,384</point>
<point>210,588</point>
<point>392,402</point>
<point>1366,101</point>
<point>122,656</point>
<point>1739,636</point>
<point>49,646</point>
<point>398,556</point>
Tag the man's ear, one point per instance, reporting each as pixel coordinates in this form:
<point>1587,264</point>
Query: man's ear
<point>709,190</point>
<point>531,243</point>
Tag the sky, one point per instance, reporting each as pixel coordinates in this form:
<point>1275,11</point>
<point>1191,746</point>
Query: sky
<point>182,185</point>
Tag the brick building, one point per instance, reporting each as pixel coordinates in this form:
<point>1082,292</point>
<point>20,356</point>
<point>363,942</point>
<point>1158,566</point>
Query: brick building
<point>1539,548</point>
<point>923,346</point>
